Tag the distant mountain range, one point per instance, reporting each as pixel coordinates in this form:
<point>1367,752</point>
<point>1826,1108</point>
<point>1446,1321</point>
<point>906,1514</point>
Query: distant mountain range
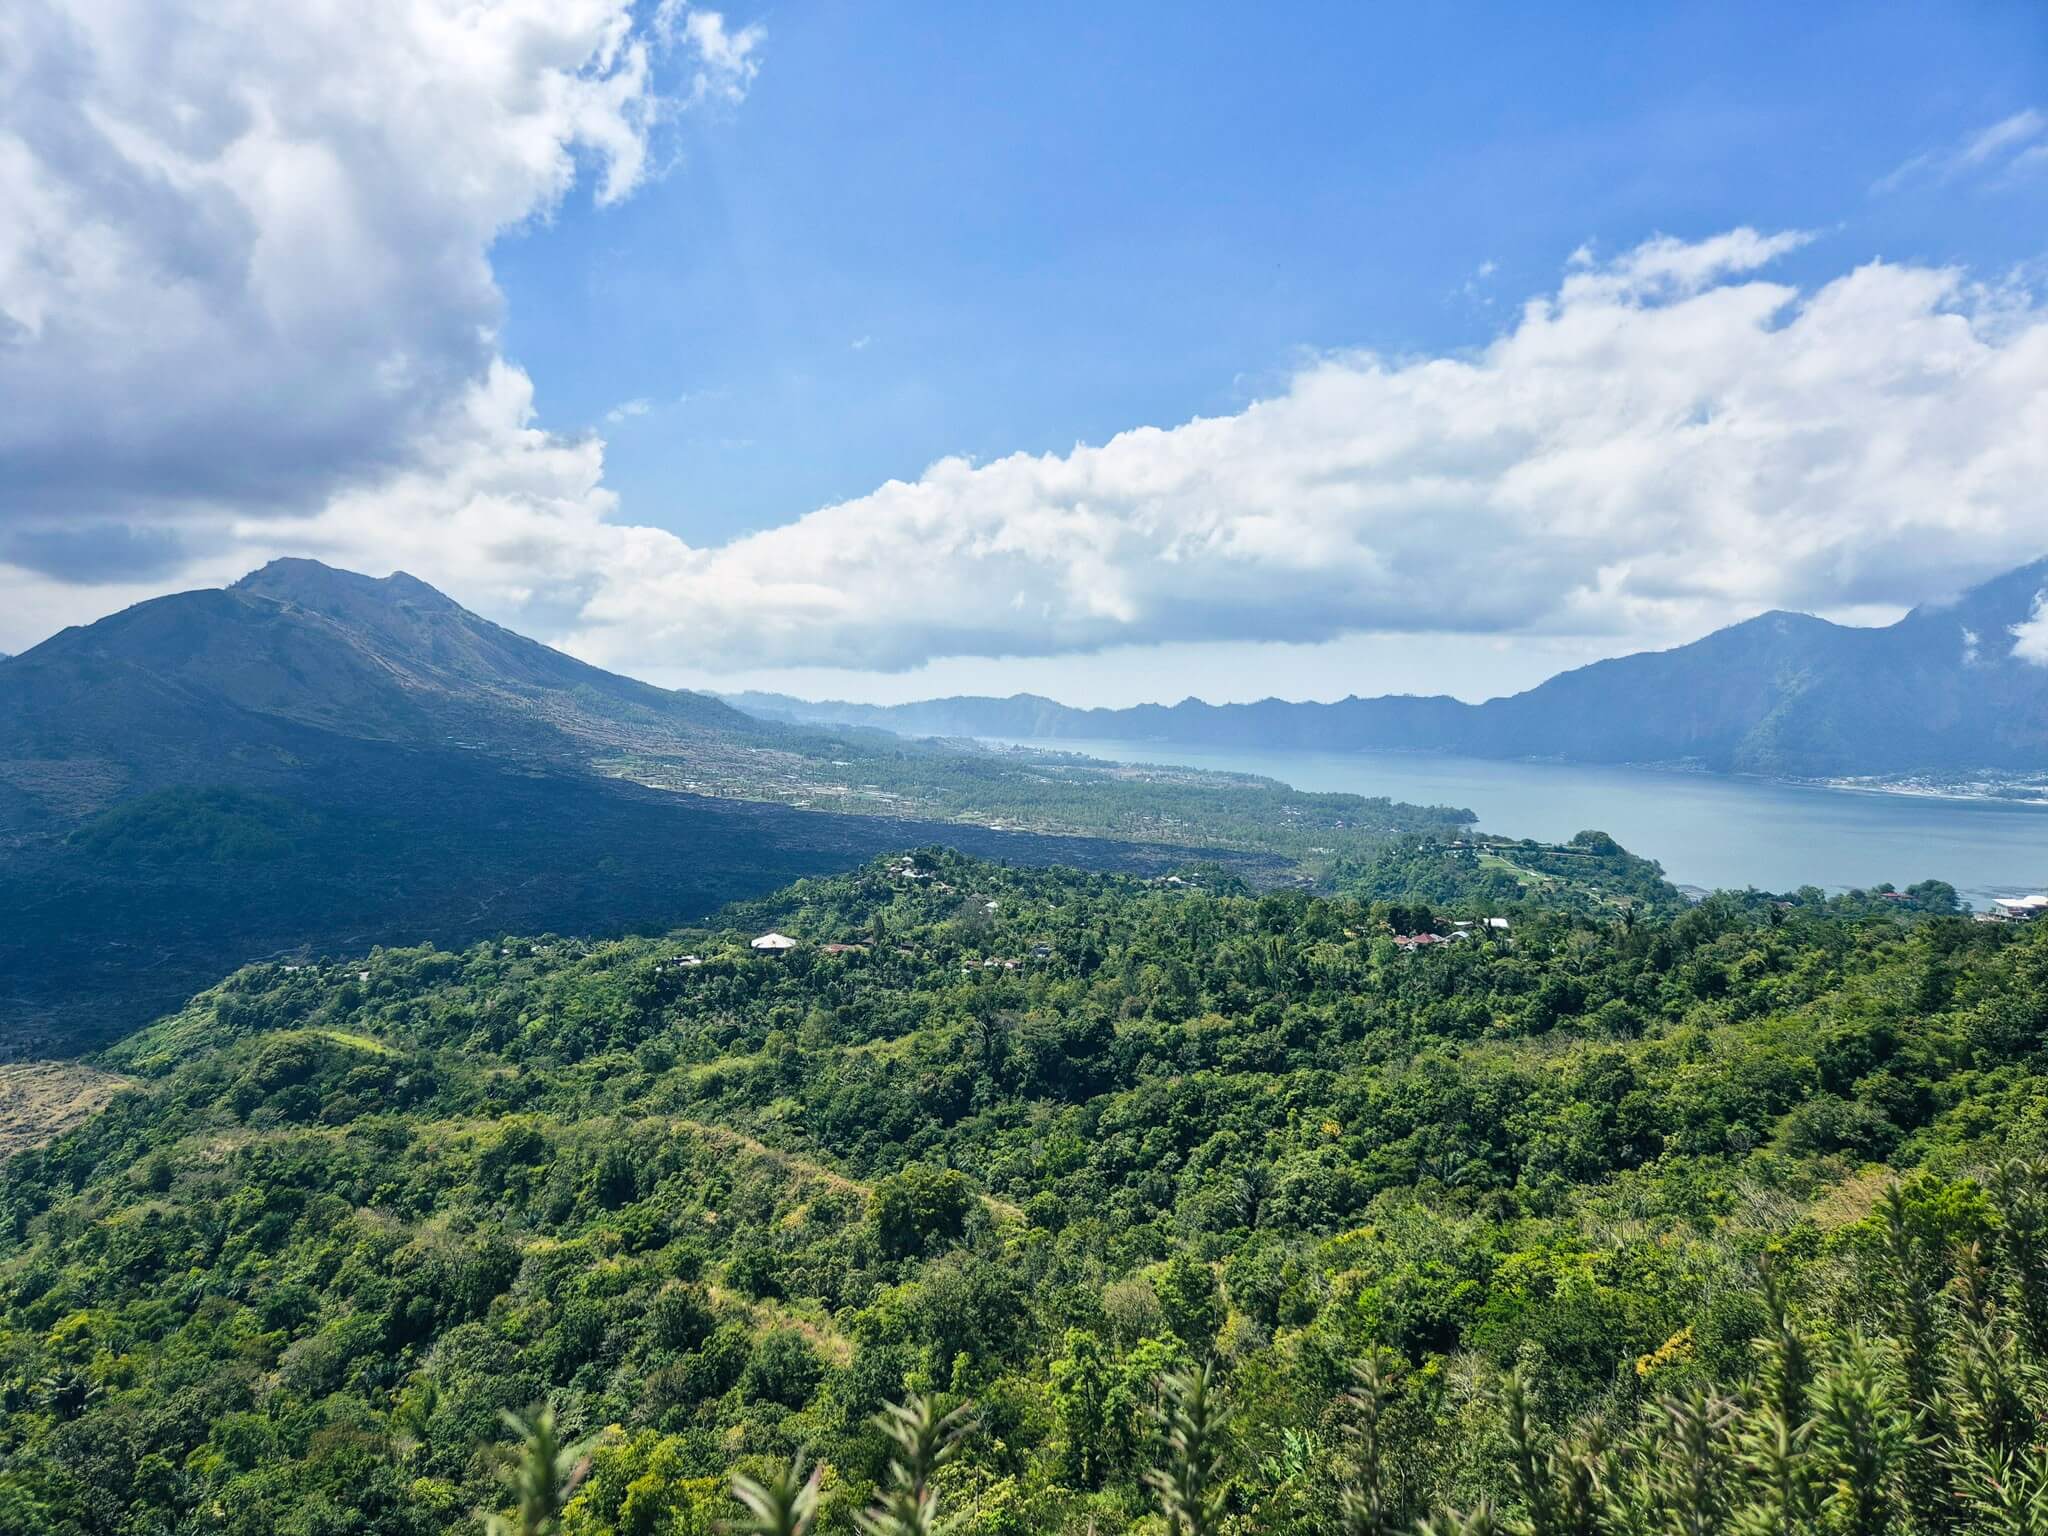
<point>1939,692</point>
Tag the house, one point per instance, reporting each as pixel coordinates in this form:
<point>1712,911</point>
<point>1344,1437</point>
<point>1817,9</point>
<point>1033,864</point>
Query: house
<point>844,949</point>
<point>685,961</point>
<point>2019,909</point>
<point>773,944</point>
<point>1414,941</point>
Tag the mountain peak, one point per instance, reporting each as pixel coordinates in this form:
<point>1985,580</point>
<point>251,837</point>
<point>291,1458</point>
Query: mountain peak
<point>324,588</point>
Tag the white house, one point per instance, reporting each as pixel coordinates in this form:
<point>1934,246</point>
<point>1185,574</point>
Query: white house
<point>774,943</point>
<point>2020,908</point>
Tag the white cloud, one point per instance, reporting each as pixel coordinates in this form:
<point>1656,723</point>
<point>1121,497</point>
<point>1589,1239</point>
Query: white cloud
<point>2030,639</point>
<point>1666,443</point>
<point>2011,146</point>
<point>727,61</point>
<point>245,259</point>
<point>256,318</point>
<point>2021,128</point>
<point>626,410</point>
<point>1664,267</point>
<point>1662,445</point>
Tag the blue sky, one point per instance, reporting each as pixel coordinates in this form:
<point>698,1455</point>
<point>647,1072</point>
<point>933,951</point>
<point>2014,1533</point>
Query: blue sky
<point>933,230</point>
<point>1112,352</point>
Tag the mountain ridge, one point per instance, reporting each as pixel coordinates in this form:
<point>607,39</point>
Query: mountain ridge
<point>313,760</point>
<point>1781,693</point>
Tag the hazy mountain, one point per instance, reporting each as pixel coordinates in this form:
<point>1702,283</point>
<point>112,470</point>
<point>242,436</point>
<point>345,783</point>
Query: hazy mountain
<point>1939,691</point>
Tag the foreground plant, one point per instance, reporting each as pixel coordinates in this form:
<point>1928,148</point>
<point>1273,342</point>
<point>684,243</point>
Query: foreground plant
<point>784,1503</point>
<point>541,1471</point>
<point>1189,1482</point>
<point>926,1440</point>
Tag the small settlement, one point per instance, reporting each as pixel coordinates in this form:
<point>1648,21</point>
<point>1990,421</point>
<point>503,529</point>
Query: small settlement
<point>1463,929</point>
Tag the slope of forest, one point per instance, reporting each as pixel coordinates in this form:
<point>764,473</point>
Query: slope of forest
<point>1039,1139</point>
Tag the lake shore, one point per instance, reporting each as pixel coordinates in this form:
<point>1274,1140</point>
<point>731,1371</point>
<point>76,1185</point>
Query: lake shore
<point>1716,831</point>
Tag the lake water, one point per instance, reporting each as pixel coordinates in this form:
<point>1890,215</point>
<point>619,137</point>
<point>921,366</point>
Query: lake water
<point>1704,829</point>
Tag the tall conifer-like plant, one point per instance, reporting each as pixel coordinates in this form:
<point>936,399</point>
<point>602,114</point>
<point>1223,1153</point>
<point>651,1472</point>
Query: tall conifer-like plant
<point>541,1471</point>
<point>784,1503</point>
<point>1189,1482</point>
<point>926,1440</point>
<point>1367,1507</point>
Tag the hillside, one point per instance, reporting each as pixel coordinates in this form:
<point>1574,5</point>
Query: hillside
<point>1940,691</point>
<point>312,761</point>
<point>1032,1138</point>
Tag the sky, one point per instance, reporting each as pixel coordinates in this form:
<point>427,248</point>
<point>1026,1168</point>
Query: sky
<point>1109,352</point>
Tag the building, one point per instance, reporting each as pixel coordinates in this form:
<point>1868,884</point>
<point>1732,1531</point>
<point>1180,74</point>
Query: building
<point>2019,909</point>
<point>773,944</point>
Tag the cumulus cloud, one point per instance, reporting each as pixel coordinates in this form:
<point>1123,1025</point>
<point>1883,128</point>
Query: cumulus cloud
<point>245,261</point>
<point>246,309</point>
<point>1666,443</point>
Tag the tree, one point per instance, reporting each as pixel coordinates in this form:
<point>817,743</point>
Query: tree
<point>1080,1386</point>
<point>1193,1305</point>
<point>1366,1506</point>
<point>919,1208</point>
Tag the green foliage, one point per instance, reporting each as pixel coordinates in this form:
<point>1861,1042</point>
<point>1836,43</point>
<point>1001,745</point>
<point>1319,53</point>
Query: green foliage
<point>919,1210</point>
<point>782,1503</point>
<point>540,1472</point>
<point>1531,1226</point>
<point>214,826</point>
<point>1189,1479</point>
<point>924,1441</point>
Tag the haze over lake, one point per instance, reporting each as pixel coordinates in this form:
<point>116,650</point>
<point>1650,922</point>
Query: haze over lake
<point>1707,830</point>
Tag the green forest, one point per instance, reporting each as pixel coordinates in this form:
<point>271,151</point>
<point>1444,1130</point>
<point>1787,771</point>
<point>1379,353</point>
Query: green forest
<point>1030,1201</point>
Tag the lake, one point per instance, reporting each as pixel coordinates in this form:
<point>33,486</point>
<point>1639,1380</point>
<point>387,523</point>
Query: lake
<point>1705,829</point>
